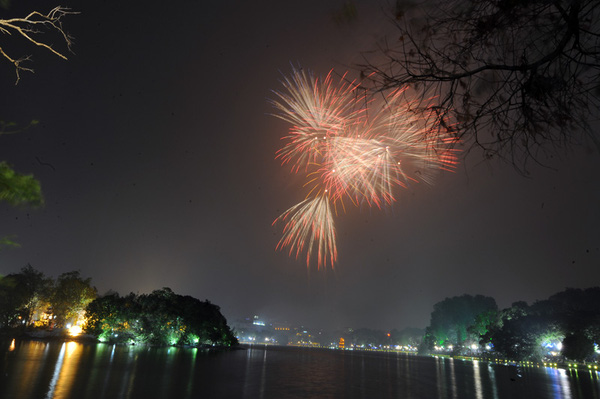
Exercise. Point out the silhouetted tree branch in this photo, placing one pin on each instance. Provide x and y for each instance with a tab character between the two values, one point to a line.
513	77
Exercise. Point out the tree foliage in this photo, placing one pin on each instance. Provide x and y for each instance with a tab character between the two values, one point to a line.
577	346
160	318
566	324
71	295
408	336
21	294
570	318
525	338
452	317
514	77
18	189
28	300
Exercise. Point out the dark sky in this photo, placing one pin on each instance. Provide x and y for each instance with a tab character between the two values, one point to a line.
156	156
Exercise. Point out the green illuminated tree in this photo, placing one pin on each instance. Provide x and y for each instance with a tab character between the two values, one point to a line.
428	343
452	317
18	189
159	318
114	318
483	322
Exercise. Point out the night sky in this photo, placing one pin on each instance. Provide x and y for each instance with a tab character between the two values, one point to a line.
156	154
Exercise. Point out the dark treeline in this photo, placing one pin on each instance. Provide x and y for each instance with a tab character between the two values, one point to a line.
30	301
564	326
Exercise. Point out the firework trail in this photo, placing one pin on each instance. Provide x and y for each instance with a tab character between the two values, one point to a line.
310	224
352	150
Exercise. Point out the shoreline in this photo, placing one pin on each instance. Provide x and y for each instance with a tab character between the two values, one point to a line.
63	336
565	365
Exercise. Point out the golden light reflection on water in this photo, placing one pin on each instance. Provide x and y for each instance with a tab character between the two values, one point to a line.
65	371
28	374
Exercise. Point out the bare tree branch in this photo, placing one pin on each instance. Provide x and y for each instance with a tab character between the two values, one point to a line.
518	78
32	26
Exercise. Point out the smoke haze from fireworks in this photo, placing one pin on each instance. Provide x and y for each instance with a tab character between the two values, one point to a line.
352	148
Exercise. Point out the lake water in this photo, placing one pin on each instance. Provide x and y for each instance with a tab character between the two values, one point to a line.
32	369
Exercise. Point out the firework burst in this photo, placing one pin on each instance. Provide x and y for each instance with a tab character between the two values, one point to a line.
317	110
351	149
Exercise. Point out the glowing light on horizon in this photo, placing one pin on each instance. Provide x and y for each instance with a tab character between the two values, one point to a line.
353	150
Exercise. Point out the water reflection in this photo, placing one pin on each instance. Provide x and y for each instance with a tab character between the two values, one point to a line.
263	376
192	366
440	376
492	374
453	379
64	371
74	370
477	379
57	369
29	371
445	384
129	378
97	365
247	378
561	383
